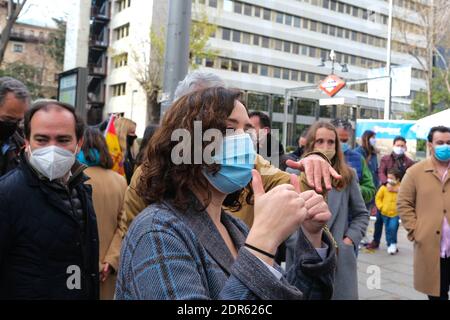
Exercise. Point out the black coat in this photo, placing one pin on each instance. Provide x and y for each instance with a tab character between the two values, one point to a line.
9	152
41	241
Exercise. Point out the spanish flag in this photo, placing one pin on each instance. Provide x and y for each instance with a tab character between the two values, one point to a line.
112	140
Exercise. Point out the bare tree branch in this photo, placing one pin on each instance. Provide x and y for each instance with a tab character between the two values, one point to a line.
14	9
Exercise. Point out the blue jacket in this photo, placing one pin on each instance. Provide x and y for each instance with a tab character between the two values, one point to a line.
171	255
354	160
372	163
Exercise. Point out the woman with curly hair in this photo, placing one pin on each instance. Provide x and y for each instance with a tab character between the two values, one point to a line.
185	246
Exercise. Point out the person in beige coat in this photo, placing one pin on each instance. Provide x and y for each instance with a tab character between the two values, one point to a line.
423	204
108	192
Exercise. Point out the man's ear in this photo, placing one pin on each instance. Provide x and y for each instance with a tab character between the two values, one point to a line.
80	143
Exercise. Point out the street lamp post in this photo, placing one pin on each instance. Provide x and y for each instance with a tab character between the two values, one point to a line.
333	60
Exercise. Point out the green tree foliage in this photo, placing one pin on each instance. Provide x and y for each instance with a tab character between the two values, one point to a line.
440	98
201	31
56	42
26	73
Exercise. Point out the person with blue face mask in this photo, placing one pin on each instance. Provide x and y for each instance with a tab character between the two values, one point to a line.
355	160
423	204
205	252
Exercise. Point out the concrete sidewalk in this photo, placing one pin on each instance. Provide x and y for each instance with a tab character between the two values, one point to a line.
396	272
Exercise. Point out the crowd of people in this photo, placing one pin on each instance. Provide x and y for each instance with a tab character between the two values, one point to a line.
73	228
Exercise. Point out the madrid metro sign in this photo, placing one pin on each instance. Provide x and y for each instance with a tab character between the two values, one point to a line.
332	85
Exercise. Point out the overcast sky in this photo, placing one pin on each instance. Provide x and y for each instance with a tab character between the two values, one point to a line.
41	11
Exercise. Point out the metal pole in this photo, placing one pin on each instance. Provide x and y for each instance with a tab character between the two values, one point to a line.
387	101
132	103
177	49
285	123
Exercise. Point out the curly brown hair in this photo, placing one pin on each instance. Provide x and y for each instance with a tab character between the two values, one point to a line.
163	179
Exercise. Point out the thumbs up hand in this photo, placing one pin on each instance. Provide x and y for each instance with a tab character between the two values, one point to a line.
277	214
316	218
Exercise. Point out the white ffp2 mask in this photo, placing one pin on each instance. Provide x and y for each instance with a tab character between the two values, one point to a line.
52	161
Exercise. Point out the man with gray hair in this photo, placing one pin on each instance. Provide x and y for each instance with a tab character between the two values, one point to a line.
14	101
197	80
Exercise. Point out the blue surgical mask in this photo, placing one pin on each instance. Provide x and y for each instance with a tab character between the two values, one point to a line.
442	152
345	146
236	159
93	153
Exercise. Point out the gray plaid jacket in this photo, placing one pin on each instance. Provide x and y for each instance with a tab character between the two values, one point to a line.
172	255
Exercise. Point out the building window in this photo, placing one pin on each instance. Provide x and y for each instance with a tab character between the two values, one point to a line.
257	101
333	5
279	17
285	74
236	36
246	38
122	5
332	31
247	10
305	50
265	43
297	22
212	3
18	48
238	7
122	31
288	20
264	70
226	34
209	63
257	12
267	15
119	89
305	23
287	47
198	61
245	67
224	64
276	72
256	40
277	44
254	68
303	76
234	65
120	60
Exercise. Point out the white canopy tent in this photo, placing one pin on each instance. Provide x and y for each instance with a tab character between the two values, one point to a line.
423	126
